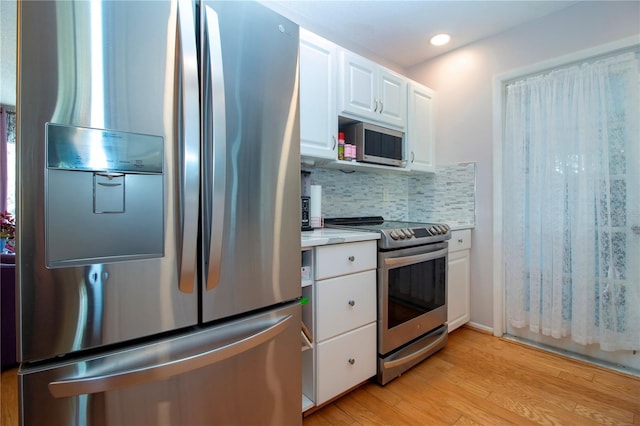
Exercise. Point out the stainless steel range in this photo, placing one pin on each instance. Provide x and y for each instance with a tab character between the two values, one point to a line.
412	290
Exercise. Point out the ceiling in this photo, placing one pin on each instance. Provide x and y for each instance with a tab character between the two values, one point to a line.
395	32
399	31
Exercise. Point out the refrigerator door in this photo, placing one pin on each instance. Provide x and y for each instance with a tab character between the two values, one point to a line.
244	373
251	155
108	172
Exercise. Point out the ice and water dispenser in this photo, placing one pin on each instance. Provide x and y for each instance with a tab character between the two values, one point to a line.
103	196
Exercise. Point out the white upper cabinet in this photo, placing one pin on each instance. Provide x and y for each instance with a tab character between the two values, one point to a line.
370	91
318	117
420	129
337	82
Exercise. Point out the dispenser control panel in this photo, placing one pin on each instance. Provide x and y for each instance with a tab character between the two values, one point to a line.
83	148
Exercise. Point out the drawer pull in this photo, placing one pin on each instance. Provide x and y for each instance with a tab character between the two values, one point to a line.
352	303
460	241
352	361
352	258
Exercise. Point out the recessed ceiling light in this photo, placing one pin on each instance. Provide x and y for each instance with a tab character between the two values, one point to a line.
440	39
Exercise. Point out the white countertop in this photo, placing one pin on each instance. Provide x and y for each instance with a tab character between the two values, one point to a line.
323	236
461	227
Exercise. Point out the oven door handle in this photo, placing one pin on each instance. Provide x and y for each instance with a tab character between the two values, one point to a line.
442	334
410	260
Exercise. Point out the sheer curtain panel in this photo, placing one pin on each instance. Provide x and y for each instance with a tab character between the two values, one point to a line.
572	205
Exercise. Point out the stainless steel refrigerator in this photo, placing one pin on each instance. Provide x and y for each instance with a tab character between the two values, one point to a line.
158	214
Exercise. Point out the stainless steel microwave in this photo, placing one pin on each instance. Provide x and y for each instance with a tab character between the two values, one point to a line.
375	144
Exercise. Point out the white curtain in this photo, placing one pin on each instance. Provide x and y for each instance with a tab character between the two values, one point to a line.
571	203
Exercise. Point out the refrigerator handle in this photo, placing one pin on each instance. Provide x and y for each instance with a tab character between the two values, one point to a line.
189	143
216	110
153	373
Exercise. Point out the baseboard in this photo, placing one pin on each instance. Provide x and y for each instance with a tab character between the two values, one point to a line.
479	327
581	359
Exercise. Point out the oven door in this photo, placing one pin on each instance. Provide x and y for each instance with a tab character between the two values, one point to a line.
412	284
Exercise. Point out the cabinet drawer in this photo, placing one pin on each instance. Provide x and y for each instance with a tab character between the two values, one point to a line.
460	240
346	361
342	259
345	303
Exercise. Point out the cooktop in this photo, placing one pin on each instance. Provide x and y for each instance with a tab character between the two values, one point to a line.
394	233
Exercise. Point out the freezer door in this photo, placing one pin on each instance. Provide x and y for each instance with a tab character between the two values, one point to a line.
243	373
251	155
109	172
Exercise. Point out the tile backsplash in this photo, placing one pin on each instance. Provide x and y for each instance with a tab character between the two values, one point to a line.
448	196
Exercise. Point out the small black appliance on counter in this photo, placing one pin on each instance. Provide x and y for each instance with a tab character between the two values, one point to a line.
305	209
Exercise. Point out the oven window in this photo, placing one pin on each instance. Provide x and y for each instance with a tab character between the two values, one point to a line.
415	289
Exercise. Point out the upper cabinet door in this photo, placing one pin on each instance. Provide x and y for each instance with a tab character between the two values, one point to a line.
420	129
371	92
358	88
318	117
392	98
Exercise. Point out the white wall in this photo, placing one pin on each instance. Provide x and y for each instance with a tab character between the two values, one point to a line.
463	81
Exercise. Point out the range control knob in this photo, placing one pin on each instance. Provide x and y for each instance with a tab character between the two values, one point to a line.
401	234
394	235
433	230
407	232
411	231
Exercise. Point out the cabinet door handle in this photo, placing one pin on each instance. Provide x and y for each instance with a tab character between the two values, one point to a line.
375	105
460	240
352	361
413	157
352	258
381	106
334	143
352	303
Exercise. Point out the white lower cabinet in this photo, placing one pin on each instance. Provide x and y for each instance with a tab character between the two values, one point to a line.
345	303
459	276
345	361
341	315
342	259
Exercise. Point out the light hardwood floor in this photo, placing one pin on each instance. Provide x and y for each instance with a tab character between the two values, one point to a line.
481	379
476	379
9	398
